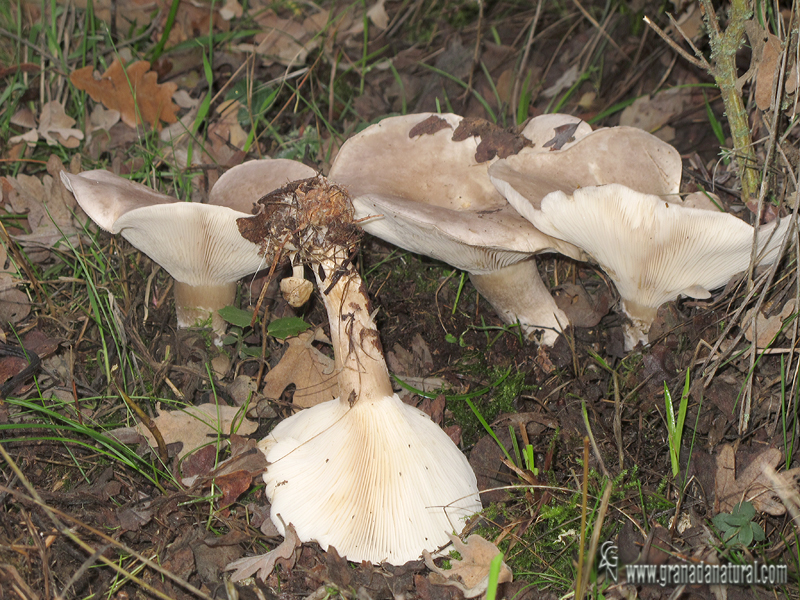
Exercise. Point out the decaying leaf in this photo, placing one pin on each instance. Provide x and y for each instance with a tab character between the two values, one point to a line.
307	368
766	327
194	426
14	303
377	14
752	485
471	573
226	138
765	55
285	555
284	41
48	205
55	127
652	113
133	90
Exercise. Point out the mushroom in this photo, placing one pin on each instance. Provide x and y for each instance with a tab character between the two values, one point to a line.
197	244
365	473
423	190
653	251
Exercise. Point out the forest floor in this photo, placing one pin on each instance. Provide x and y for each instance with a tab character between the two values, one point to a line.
572	444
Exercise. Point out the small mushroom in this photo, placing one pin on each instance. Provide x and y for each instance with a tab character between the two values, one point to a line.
420	189
654	251
197	244
365	473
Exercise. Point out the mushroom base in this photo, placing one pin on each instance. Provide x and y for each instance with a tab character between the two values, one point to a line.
518	293
195	305
378	481
641	317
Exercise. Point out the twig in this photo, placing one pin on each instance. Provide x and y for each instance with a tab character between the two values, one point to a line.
700	64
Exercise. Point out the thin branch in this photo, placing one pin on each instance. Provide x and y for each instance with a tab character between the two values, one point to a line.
699	63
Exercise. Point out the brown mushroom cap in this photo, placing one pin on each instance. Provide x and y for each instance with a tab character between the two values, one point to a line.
624	155
241	187
418	188
430	196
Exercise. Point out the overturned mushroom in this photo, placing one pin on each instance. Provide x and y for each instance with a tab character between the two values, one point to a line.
197	244
365	473
654	251
417	176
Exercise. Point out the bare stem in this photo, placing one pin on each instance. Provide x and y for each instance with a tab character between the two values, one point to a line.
361	367
724	45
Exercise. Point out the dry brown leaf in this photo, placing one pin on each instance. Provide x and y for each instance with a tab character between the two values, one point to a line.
285	555
194	426
14	304
653	113
55	126
752	485
48	205
226	138
471	573
283	41
231	9
134	94
307	368
766	327
128	11
767	71
377	14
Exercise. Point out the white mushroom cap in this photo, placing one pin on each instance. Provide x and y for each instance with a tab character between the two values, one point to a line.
429	195
242	186
369	480
654	251
199	245
625	155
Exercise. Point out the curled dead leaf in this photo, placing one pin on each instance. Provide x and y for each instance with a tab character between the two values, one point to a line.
752	484
471	573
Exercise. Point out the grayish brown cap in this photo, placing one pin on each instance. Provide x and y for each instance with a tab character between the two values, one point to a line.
426	193
654	251
242	186
199	245
624	155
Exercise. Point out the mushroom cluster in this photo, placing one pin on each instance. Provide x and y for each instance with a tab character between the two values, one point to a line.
365	473
487	201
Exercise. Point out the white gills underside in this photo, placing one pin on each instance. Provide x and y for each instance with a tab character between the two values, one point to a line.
385	480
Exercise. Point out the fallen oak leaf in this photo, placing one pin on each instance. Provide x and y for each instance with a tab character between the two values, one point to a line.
471	573
194	426
133	90
285	555
752	484
307	368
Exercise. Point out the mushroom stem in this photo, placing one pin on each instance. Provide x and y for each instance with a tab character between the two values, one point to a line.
361	367
195	304
517	292
641	317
